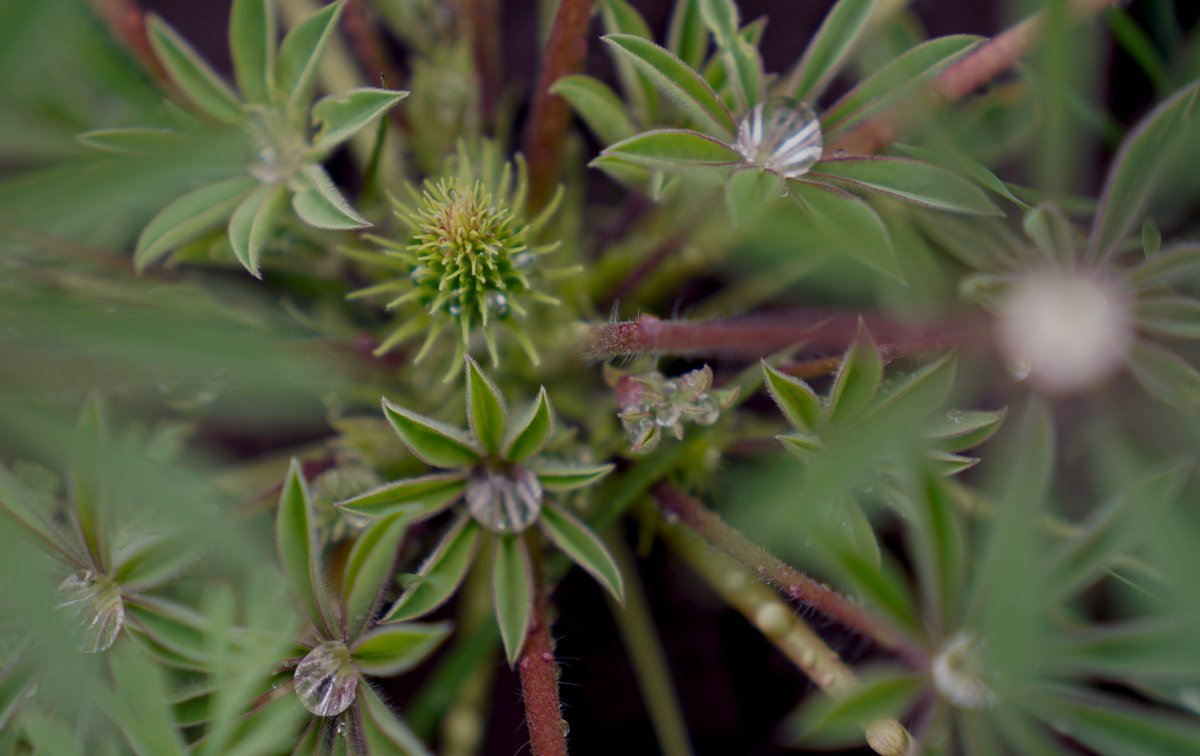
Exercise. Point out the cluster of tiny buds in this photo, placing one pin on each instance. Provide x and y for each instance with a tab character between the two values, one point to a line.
652	404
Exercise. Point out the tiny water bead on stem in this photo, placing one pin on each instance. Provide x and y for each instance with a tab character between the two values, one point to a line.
469	260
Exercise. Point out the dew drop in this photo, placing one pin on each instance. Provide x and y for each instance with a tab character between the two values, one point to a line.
566	728
839	153
955	416
705	409
504	501
1019	368
522	260
780	137
497	303
671	518
98	608
326	680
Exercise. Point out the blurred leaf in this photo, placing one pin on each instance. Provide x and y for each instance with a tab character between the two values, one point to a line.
441	573
385	731
367	570
857	378
339	117
485	409
299	554
24	511
202	85
252	40
686	36
1139	165
1172	317
622	18
839	722
847	224
512	592
963	429
909	180
320	204
1151	238
879	583
134	141
903	75
415	498
177	629
190	216
749	192
300	53
1160	649
1052	232
556	476
1175	265
798	402
391	649
939	549
50	735
436	443
140	705
829	48
1165	375
527	436
153	560
962	163
597	105
1109	725
584	548
677	81
251	224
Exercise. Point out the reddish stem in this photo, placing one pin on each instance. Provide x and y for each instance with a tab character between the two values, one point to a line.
564	54
983	65
539	686
795	584
367	46
127	22
484	16
758	336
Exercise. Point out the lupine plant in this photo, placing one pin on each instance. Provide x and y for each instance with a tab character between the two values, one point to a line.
852	398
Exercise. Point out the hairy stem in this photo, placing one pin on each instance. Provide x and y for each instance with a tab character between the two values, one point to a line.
549	115
983	65
780	625
636	626
539	686
758	336
795	584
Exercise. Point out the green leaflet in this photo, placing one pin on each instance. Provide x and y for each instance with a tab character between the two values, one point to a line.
89	483
597	105
619	17
1172	317
909	180
1165	375
436	443
857	378
300	53
486	412
298	552
367	569
190	216
394	648
584	548
1175	265
686	36
528	435
797	401
749	192
252	39
847	224
318	202
512	592
564	477
415	498
829	48
188	70
251	224
673	149
676	80
339	117
839	722
441	574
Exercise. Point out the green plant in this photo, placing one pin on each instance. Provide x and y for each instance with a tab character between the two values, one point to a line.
229	550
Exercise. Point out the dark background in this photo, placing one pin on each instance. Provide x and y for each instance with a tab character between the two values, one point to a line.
734	687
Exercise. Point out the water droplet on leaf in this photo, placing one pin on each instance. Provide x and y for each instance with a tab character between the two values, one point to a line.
326	680
504	501
98	608
781	137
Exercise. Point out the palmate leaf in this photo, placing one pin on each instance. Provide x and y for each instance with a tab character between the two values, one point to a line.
677	81
512	592
435	443
295	535
252	39
829	48
1139	166
599	107
190	216
673	149
529	434
909	180
441	573
584	548
486	412
390	649
202	85
339	117
368	568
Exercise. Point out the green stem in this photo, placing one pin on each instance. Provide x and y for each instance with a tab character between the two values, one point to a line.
636	626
